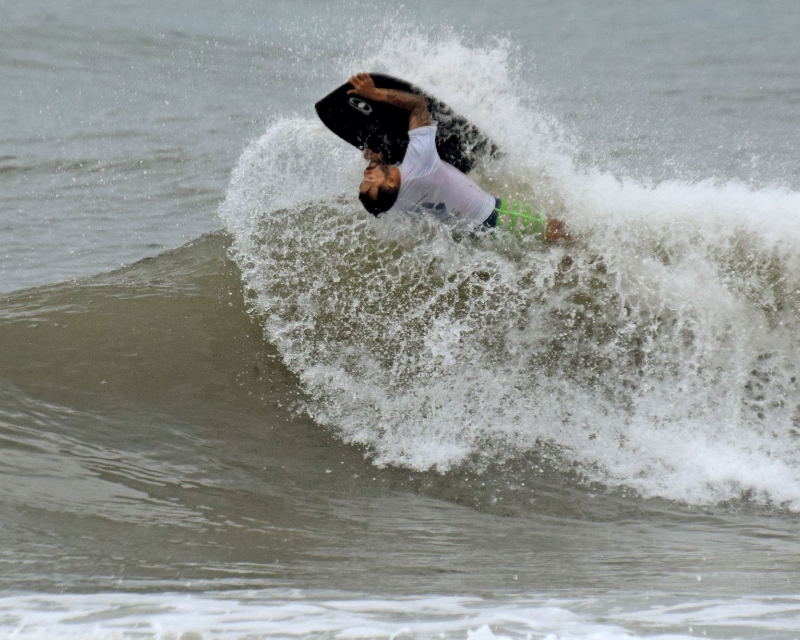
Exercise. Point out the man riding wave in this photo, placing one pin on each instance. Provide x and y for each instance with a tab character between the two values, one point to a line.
423	183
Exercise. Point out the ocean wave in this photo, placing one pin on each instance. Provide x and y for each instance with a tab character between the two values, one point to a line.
657	352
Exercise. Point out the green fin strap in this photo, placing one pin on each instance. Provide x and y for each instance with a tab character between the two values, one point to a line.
517	218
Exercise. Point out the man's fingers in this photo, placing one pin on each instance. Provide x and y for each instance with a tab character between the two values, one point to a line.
356	84
357	79
360	81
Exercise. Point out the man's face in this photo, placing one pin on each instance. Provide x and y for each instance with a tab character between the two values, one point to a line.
374	176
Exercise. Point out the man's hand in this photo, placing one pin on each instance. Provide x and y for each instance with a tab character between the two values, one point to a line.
364	86
371	155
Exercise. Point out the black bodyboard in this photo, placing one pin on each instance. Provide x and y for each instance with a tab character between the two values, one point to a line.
383	128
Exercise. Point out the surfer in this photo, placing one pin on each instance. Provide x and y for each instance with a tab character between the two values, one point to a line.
425	183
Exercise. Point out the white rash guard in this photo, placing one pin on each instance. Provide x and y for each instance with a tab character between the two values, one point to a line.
430	185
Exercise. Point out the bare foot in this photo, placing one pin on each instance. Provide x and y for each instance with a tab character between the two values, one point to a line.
556	230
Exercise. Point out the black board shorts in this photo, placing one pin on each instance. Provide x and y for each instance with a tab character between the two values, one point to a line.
491	221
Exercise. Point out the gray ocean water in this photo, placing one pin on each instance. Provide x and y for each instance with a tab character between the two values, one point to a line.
233	405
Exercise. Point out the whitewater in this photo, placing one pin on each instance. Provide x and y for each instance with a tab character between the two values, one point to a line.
659	352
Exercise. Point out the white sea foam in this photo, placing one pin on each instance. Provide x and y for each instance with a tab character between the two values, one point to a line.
659	352
297	614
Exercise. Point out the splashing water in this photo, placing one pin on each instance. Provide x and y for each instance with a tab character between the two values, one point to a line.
658	352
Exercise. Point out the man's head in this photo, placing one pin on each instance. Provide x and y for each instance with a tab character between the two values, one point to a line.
379	188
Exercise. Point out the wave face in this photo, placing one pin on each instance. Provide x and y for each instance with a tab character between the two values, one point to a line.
658	352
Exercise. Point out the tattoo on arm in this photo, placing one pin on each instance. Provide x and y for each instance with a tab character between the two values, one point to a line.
414	104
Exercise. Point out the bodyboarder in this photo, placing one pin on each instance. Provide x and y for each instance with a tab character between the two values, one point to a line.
423	183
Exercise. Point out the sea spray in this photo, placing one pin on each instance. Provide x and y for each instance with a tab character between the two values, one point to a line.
659	351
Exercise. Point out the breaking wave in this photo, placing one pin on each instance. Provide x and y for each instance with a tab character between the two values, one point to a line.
659	351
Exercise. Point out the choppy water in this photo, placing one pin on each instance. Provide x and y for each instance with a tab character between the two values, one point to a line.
312	423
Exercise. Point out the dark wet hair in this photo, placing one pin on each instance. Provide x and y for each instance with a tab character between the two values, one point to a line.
385	200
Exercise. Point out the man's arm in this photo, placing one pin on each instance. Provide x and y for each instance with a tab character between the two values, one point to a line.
364	86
